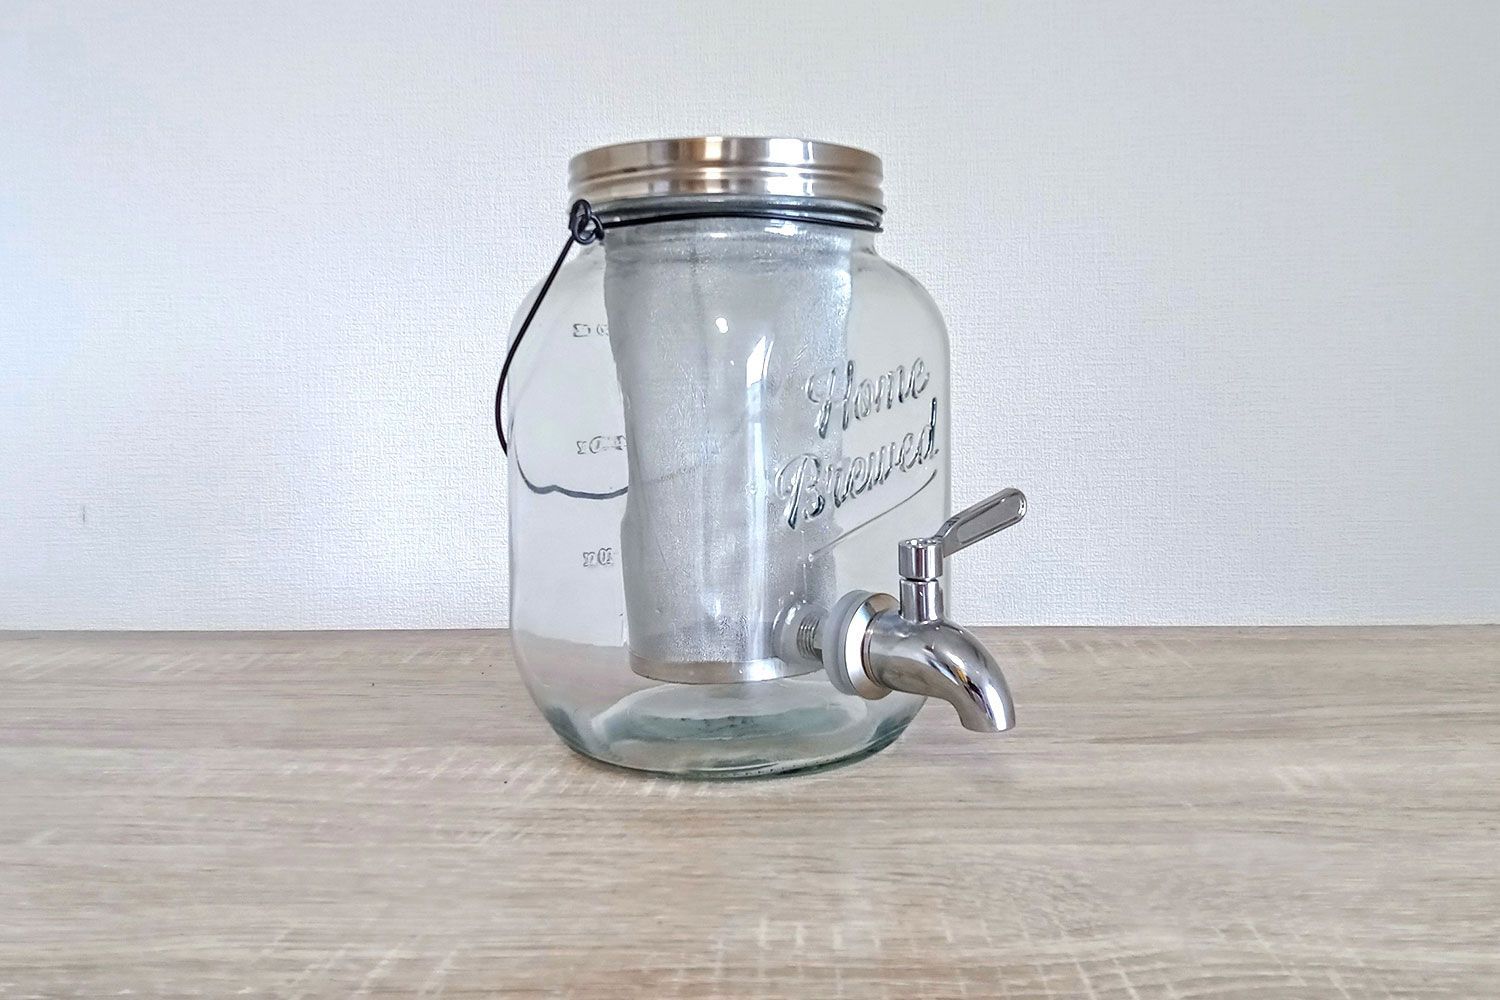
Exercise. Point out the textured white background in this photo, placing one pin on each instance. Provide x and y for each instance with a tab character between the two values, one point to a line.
1221	279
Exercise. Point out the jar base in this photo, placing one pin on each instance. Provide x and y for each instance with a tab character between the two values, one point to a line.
728	765
674	730
606	712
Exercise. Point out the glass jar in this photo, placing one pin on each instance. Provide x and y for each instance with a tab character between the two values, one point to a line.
728	414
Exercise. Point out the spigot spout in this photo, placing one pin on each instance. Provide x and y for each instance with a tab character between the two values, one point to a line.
940	660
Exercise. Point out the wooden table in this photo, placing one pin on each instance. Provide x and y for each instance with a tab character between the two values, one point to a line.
1182	813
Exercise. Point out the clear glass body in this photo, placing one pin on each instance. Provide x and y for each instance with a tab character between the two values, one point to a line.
713	421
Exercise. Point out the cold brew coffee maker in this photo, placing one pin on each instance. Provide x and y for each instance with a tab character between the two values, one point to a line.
728	446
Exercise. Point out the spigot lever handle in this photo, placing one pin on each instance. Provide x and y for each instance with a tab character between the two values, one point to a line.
922	558
983	519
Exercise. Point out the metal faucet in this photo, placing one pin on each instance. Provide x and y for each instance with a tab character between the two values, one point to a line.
872	644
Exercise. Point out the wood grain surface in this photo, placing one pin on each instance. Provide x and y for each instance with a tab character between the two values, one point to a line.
1181	813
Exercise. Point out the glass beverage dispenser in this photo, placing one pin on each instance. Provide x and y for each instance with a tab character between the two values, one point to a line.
728	448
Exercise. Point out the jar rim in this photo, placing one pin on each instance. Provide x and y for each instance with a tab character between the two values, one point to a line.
749	166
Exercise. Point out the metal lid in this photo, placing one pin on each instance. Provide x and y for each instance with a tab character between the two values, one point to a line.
727	165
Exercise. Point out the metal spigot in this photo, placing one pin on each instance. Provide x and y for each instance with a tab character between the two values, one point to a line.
871	644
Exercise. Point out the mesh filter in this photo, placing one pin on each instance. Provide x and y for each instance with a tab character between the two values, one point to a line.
716	326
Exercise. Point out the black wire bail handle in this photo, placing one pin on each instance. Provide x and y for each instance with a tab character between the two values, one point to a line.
584	228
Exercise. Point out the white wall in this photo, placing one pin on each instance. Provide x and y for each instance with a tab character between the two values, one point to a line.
1221	278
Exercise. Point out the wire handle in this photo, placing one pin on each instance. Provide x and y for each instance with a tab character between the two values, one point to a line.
584	228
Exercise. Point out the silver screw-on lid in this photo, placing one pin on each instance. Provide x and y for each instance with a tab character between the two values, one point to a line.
727	165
